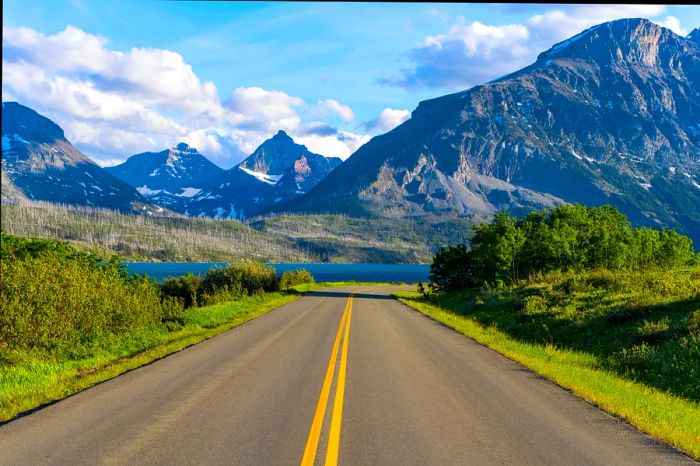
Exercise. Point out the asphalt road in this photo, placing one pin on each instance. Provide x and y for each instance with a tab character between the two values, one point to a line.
402	389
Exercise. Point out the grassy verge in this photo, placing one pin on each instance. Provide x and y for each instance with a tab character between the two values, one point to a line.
588	373
28	380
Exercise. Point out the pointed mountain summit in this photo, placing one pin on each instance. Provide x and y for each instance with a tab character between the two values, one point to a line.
634	41
694	36
609	116
170	177
277	171
39	163
274	155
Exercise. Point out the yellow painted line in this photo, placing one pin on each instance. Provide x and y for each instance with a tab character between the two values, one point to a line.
315	431
337	419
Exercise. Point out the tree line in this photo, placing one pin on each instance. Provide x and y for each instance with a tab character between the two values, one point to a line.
569	237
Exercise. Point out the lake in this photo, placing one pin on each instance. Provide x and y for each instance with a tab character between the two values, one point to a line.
322	272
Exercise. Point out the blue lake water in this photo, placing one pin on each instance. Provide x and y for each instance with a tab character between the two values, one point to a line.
322	272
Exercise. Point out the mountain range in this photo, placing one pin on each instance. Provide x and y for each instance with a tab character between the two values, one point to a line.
185	181
278	171
611	115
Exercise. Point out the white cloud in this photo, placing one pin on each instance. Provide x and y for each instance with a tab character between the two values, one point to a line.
388	119
330	107
342	145
80	99
113	103
154	76
258	105
674	24
471	53
219	146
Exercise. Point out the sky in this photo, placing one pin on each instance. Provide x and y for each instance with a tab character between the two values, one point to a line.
124	77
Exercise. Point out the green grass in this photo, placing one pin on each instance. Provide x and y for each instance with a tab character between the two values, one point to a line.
626	342
29	380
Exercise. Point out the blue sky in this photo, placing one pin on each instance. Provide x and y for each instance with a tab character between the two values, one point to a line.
128	76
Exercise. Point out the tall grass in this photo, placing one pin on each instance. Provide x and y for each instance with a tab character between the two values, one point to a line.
69	318
626	340
60	300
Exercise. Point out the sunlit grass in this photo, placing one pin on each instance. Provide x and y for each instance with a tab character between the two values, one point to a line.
28	380
624	342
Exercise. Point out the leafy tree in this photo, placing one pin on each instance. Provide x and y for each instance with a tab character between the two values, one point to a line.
495	249
569	237
451	269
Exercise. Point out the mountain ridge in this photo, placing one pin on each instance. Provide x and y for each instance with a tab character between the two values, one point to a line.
278	170
169	177
39	163
608	116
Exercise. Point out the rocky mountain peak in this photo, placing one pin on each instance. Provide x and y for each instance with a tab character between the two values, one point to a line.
29	125
274	155
282	135
39	163
607	116
633	40
694	36
184	147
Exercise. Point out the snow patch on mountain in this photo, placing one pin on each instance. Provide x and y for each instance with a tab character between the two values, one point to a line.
7	141
189	192
269	179
146	191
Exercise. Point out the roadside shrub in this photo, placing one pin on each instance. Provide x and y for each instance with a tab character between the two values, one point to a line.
296	277
186	288
55	302
245	278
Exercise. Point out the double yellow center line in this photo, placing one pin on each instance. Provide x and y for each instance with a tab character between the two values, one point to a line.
336	420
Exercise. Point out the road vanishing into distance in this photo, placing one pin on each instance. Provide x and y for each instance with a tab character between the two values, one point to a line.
330	378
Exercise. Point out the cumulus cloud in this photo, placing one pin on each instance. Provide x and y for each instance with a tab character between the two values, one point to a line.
331	107
154	76
341	144
388	119
115	103
219	146
318	128
674	24
471	53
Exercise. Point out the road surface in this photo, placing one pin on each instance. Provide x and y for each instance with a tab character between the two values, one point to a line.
292	388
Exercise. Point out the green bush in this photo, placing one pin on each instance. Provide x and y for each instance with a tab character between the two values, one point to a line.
54	298
59	300
569	237
296	277
186	288
451	269
245	278
534	304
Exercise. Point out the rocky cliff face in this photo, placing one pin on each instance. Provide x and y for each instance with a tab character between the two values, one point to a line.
169	178
39	163
278	171
611	115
